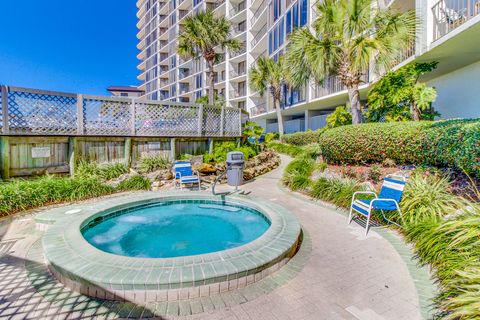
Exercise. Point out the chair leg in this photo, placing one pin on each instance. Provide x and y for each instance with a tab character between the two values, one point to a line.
350	216
393	222
199	186
368	221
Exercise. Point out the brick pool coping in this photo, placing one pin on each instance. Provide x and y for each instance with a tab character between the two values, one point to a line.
88	270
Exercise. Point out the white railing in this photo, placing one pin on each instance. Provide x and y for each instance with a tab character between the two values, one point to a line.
38	112
451	14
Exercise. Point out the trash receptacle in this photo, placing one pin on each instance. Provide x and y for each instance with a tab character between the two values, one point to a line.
235	163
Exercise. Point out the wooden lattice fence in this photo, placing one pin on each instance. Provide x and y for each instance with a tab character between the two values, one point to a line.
46	132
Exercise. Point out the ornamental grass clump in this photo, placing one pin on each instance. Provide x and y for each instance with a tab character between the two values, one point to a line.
135	183
21	195
426	196
104	171
152	163
337	191
298	172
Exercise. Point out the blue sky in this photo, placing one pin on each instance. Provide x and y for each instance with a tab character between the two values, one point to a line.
78	46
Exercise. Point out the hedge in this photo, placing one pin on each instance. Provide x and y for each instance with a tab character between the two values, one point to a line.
302	138
448	143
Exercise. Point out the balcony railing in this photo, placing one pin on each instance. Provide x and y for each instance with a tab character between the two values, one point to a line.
237	73
259	11
259	109
237	93
331	85
239	52
259	35
451	14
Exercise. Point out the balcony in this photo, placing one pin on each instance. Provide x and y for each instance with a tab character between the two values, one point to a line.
237	73
184	88
183	73
234	94
448	15
259	109
239	52
259	35
260	10
214	5
236	9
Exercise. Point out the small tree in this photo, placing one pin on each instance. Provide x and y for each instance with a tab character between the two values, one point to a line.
399	95
347	36
202	34
270	75
340	117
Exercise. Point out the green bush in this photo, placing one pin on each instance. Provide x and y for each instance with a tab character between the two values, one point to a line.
135	183
284	148
220	150
340	117
450	143
153	163
302	138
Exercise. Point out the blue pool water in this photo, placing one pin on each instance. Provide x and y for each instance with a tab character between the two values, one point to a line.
173	229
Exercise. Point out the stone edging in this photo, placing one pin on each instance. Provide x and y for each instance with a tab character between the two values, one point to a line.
45	284
90	271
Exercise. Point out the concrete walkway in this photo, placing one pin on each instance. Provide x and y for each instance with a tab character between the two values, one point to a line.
338	274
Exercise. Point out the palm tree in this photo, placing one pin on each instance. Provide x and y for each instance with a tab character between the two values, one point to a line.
347	36
270	75
203	33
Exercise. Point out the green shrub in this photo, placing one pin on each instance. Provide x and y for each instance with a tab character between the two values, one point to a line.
153	163
220	150
284	148
271	136
340	117
374	173
302	138
336	191
427	197
135	183
450	143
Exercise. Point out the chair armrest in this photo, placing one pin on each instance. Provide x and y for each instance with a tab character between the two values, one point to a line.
196	173
362	192
384	200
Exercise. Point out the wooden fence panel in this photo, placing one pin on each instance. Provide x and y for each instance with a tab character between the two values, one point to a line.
192	147
38	155
102	150
150	147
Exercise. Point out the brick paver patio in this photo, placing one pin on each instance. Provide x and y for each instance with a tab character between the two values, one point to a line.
337	274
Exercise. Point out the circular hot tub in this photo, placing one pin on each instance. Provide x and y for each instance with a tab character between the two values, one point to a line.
148	247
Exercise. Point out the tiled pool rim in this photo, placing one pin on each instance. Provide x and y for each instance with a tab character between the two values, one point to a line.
90	271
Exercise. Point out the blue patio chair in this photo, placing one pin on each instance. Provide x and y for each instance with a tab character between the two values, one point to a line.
388	200
184	174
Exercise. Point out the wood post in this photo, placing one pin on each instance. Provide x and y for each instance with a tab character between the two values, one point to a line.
4	158
173	152
210	145
133	129
72	154
80	121
222	121
200	120
5	125
128	152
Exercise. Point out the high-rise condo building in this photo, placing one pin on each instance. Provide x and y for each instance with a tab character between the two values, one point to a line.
449	33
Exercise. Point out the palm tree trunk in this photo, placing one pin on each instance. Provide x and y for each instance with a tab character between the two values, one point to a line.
354	98
211	80
415	111
276	103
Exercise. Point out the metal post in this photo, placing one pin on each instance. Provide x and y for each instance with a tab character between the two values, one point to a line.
80	120
200	120
5	125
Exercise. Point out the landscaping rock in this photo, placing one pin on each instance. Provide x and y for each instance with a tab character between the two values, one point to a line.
205	168
159	175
